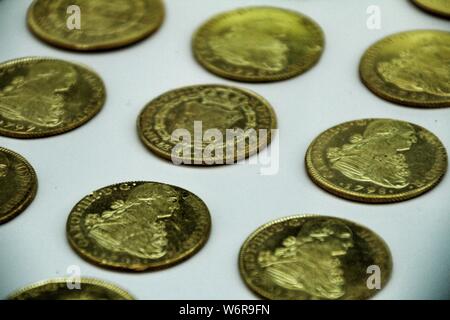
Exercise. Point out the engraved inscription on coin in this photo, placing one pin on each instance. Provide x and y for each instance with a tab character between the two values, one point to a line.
439	7
313	257
376	160
138	226
200	109
103	24
41	97
18	184
64	289
259	44
410	68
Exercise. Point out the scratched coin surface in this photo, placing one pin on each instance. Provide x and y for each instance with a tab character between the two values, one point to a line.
314	258
59	289
376	160
410	68
41	97
86	25
18	184
138	226
207	125
439	7
259	44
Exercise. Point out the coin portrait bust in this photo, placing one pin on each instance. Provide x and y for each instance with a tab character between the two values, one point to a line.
136	226
425	69
376	156
38	97
252	44
310	262
4	166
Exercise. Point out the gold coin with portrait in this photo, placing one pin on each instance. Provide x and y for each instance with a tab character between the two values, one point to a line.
410	68
18	184
308	257
207	125
85	25
41	97
439	7
376	160
259	44
138	226
68	289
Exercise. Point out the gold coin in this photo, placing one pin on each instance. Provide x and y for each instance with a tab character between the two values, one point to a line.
410	68
376	160
64	289
41	97
259	44
103	24
439	7
18	184
207	125
138	226
315	258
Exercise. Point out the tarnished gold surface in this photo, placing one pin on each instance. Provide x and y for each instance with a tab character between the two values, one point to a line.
138	226
259	44
41	97
217	107
376	160
18	184
57	289
410	68
313	257
105	24
439	7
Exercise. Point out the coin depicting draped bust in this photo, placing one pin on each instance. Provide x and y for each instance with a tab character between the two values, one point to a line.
40	97
376	160
312	257
138	226
410	68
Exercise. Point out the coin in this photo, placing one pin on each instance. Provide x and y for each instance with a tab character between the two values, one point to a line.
376	160
18	184
315	258
138	226
259	44
207	125
86	25
65	289
439	7
410	68
41	97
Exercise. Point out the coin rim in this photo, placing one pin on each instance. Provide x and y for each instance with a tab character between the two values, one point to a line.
104	46
255	79
269	296
365	198
96	282
29	196
365	72
429	9
140	267
96	108
236	157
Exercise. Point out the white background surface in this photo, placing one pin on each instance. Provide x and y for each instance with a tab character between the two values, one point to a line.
107	150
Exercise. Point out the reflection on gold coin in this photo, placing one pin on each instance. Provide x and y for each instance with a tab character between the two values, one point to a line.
207	125
41	97
315	257
439	7
376	160
65	289
259	44
410	68
138	226
18	184
103	24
